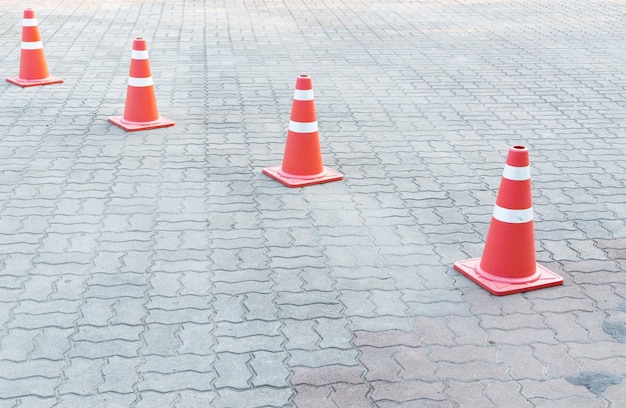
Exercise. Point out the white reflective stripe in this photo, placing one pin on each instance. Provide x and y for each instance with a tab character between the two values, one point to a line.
139	82
303	127
513	216
516	173
303	95
139	55
35	45
29	22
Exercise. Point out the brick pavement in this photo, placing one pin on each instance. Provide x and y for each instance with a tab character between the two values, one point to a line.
162	269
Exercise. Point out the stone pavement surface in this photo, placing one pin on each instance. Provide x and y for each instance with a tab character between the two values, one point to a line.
162	269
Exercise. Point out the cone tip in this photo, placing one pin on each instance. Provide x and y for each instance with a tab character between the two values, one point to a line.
29	13
304	82
518	156
139	44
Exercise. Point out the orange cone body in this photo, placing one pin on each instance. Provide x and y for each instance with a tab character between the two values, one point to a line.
508	264
140	111
33	66
302	161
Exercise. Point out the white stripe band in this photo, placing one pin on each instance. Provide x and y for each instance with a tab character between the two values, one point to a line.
139	55
35	45
140	82
303	127
516	173
513	216
29	22
303	95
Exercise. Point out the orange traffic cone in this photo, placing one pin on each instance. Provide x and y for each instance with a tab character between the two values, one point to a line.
33	66
302	161
508	264
140	112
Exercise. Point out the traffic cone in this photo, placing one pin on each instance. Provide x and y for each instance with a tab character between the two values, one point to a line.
140	112
302	161
508	264
33	66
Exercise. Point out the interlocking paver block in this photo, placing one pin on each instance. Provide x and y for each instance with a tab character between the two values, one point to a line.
416	364
254	397
82	376
269	369
505	393
468	394
380	364
555	358
313	397
232	370
404	392
181	380
328	374
522	362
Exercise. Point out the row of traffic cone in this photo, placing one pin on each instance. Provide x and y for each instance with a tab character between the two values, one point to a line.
302	164
140	112
508	264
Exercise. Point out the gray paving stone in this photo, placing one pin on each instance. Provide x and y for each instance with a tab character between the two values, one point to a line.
564	390
307	396
119	375
269	369
32	368
182	380
300	334
172	317
160	339
28	387
110	348
98	334
168	364
323	357
380	364
191	398
51	343
333	333
505	393
37	321
558	363
111	292
82	376
256	397
233	371
329	374
260	306
418	391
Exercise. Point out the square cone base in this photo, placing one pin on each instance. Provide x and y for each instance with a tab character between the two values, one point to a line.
136	126
327	176
25	83
546	279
